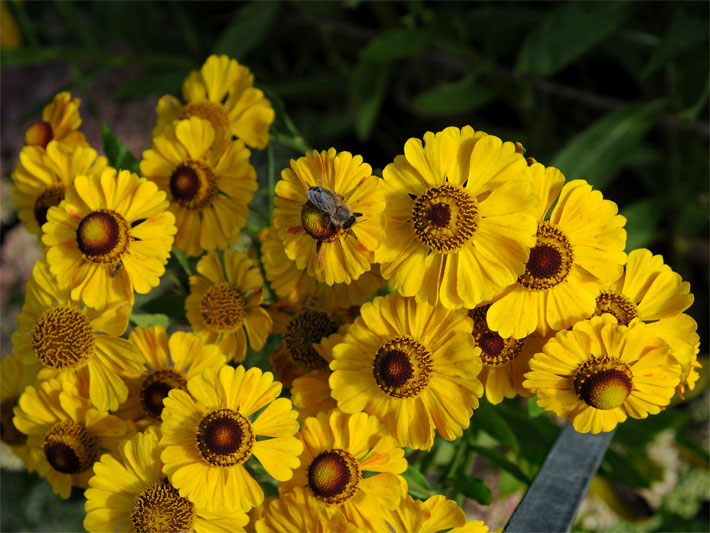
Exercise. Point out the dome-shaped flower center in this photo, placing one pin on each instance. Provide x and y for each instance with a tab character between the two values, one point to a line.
63	338
603	383
103	236
223	308
618	305
9	434
39	134
318	225
70	448
550	260
305	329
193	185
333	476
160	508
225	438
156	387
402	367
445	218
495	350
48	198
211	111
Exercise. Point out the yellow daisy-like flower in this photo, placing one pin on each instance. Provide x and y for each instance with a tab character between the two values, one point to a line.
210	431
14	377
43	175
333	233
60	121
68	337
169	364
298	288
111	235
431	516
299	510
411	365
223	92
69	431
600	372
209	182
579	250
129	492
225	302
460	218
505	360
349	463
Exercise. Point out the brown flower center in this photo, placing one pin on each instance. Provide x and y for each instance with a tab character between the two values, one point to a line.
48	198
445	218
225	438
63	338
402	367
550	260
211	111
618	305
603	383
495	350
39	134
9	434
223	308
305	329
193	185
159	508
156	387
103	236
333	476
70	448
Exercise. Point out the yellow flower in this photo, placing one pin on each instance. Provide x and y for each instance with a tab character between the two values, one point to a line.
460	218
14	377
505	361
209	182
600	372
579	250
430	516
210	431
298	288
413	366
225	302
331	249
129	492
42	176
169	364
68	430
299	510
60	121
349	463
110	236
67	337
223	92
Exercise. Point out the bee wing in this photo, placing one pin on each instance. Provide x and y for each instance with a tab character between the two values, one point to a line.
322	198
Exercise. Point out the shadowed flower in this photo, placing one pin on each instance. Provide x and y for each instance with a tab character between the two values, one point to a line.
60	121
431	516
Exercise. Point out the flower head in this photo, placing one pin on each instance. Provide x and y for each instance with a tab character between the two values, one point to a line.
299	510
60	121
430	516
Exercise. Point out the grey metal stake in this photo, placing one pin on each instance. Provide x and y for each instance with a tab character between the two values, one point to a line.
551	502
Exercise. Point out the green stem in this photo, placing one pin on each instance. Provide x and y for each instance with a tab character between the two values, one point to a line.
296	142
271	177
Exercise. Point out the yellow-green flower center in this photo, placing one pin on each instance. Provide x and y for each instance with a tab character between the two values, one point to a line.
156	388
223	308
495	350
445	218
193	185
318	225
211	111
159	508
550	260
63	338
225	438
333	476
70	448
9	434
39	134
603	383
402	367
103	237
48	198
618	305
305	329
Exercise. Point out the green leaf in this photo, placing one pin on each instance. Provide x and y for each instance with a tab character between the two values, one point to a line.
118	155
499	459
454	98
368	86
162	82
396	43
616	468
566	33
642	220
182	260
248	29
597	153
418	485
538	434
170	304
487	418
146	320
472	487
684	32
534	410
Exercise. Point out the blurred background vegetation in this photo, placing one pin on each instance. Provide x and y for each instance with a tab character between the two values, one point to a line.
612	92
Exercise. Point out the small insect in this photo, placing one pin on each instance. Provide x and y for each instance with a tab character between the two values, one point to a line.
116	269
339	213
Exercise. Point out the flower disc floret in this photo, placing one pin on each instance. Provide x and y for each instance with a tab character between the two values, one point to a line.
225	438
333	476
63	338
159	508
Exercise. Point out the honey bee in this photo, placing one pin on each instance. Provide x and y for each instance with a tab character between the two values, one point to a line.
332	204
116	269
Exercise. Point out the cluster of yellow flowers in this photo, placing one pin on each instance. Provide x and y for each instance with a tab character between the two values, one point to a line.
488	294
